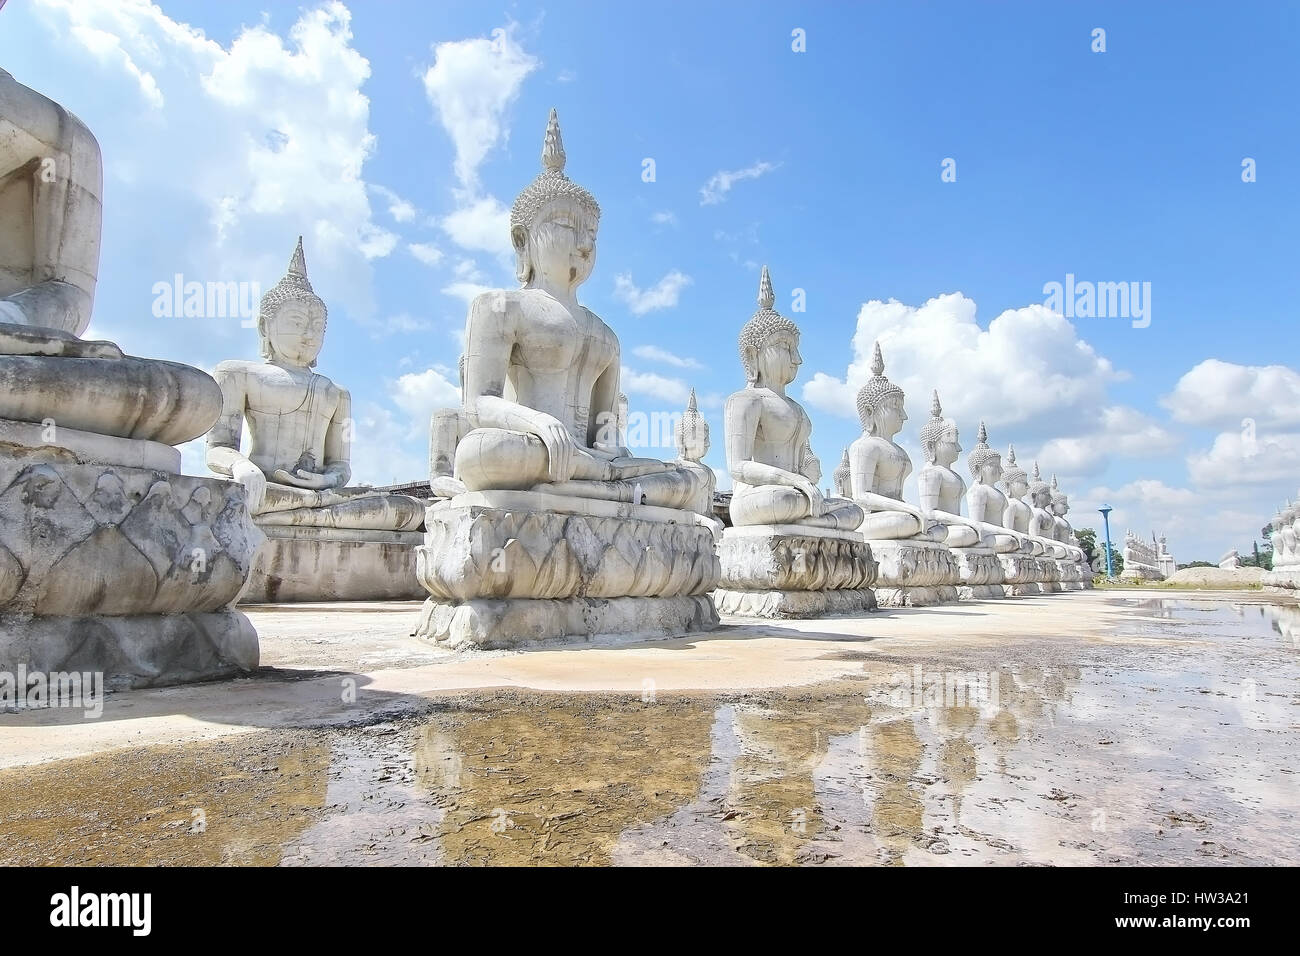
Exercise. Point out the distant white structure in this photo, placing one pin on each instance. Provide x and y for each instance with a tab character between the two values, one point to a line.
1141	560
1230	561
1164	560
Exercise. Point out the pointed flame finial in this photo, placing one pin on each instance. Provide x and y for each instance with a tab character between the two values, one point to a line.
1037	476
1011	454
553	157
936	410
691	404
877	362
298	262
765	297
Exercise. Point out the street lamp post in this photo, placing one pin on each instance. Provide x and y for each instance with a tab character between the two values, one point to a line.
1105	516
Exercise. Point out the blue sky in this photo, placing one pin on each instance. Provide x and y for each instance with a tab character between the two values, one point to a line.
395	135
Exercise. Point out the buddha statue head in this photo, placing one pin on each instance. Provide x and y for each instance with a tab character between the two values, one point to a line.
1060	501
291	319
939	441
1014	479
553	222
1040	491
841	477
985	464
769	343
880	402
692	433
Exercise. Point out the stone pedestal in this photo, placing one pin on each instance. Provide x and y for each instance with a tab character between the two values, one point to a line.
981	574
1139	573
325	564
509	568
914	573
1049	575
131	572
1019	575
789	571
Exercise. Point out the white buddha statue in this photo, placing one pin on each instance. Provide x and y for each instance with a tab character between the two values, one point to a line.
1043	523
842	477
941	489
298	466
878	466
1017	515
774	472
988	505
692	438
540	389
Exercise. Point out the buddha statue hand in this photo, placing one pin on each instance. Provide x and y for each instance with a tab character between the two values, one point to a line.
254	482
312	480
560	447
816	502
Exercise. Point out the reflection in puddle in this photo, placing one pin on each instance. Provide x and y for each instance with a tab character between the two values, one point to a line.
1177	751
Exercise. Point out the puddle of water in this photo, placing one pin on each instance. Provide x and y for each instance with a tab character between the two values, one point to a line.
1130	751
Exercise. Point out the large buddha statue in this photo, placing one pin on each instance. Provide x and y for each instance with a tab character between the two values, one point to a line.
773	470
915	567
539	405
111	560
545	526
878	466
299	422
1074	564
326	541
1042	525
791	551
988	505
1018	517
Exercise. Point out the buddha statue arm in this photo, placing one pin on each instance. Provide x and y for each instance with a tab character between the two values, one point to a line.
224	456
742	413
602	425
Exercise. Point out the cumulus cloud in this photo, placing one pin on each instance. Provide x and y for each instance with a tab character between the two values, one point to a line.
419	394
1124	432
480	225
664	218
721	182
652	353
1217	394
400	209
662	295
671	390
1028	374
1247	456
425	252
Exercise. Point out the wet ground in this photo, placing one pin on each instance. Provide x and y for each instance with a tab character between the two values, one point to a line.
1171	735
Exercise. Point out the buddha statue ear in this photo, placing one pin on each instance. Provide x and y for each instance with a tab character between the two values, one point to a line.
523	261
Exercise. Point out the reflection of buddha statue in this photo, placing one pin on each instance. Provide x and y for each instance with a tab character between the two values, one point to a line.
541	372
940	489
774	472
300	423
692	436
879	467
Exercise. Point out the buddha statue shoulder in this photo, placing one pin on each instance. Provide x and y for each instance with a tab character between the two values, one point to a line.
299	422
540	385
773	470
878	466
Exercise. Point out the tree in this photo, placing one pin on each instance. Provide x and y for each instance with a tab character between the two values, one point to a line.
1197	564
1088	542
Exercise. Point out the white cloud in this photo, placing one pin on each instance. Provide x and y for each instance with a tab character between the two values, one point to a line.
652	353
671	390
248	145
720	183
662	295
664	218
471	85
1217	394
427	253
481	225
466	291
1124	432
1245	458
400	209
419	394
1027	375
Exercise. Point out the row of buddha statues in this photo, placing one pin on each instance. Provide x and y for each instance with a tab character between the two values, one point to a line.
536	522
1284	535
1146	560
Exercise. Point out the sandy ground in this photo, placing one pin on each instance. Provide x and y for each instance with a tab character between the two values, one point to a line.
1089	727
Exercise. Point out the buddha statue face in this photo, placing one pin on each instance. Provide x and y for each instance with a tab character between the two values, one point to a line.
294	333
887	420
947	448
1042	497
779	359
560	247
1017	487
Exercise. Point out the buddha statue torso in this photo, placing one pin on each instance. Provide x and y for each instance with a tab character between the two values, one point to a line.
773	470
1042	522
692	437
987	505
878	466
299	423
939	487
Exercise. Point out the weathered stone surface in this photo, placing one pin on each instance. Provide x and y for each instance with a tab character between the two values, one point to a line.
789	571
914	573
474	552
981	574
318	564
488	623
794	604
